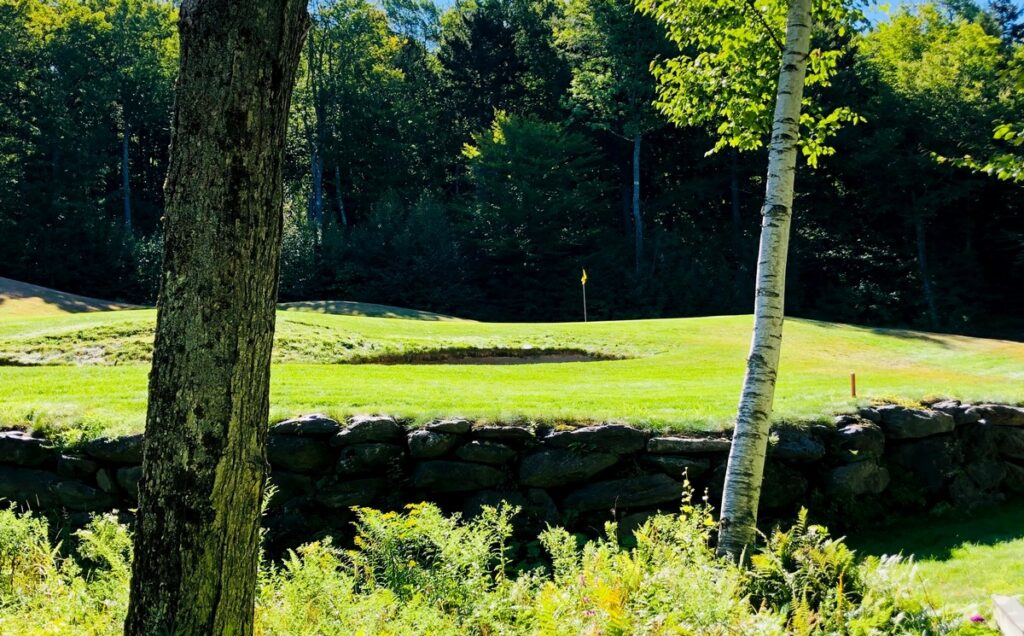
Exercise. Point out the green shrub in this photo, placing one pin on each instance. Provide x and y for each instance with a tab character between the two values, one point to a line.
422	572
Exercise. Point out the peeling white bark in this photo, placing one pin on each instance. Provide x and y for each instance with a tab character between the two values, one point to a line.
750	439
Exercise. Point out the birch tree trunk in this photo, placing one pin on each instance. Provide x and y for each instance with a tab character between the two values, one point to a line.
745	470
197	538
638	225
126	185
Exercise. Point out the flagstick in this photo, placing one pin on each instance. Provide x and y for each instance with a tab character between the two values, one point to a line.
584	302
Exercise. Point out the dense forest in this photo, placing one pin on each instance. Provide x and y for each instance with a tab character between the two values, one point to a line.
474	159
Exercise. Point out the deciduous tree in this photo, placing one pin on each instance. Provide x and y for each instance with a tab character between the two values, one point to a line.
197	538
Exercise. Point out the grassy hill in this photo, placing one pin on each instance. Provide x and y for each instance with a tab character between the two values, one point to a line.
89	370
25	300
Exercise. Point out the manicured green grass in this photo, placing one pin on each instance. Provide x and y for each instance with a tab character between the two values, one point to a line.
959	562
677	374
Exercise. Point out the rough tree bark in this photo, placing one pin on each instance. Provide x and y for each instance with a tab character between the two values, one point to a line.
638	224
745	470
197	535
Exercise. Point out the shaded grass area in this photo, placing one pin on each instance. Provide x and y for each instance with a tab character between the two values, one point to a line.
962	561
679	374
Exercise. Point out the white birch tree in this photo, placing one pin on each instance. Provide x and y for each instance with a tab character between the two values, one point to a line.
723	77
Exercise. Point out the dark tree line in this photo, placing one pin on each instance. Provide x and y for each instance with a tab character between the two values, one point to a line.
473	160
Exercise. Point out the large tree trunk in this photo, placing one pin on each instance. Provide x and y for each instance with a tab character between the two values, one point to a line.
750	440
197	535
126	186
638	225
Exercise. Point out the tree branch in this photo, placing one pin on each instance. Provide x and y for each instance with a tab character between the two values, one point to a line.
766	26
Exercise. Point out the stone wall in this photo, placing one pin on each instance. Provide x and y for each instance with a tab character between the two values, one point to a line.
885	459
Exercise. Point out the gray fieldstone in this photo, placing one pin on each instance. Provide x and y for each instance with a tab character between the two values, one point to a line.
858	441
870	414
441	476
559	467
988	474
1011	442
346	493
962	413
106	479
612	438
930	463
620	494
74	467
900	422
537	508
28	486
122	450
796	445
365	458
128	479
1000	414
1014	478
504	433
75	495
486	453
314	425
457	426
363	429
677	465
858	478
298	454
21	449
783	486
686	445
289	485
427	444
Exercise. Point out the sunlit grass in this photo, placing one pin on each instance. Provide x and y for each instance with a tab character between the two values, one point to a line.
681	373
960	562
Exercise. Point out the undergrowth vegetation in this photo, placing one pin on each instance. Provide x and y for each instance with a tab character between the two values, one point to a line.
422	572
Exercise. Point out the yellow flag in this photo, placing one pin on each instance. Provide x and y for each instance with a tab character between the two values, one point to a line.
584	279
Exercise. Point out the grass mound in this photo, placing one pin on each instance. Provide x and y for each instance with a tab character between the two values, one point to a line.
366	310
25	300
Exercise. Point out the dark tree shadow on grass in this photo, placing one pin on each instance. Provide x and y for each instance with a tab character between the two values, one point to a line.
935	537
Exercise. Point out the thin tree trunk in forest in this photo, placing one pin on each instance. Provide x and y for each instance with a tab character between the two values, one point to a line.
316	196
197	538
921	238
745	470
342	217
734	196
126	186
316	162
638	225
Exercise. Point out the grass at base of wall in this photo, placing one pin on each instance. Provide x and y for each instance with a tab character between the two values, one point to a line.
960	562
680	374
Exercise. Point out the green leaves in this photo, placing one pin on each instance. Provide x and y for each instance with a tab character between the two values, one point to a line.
726	69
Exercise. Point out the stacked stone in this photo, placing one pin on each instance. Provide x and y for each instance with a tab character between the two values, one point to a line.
320	468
